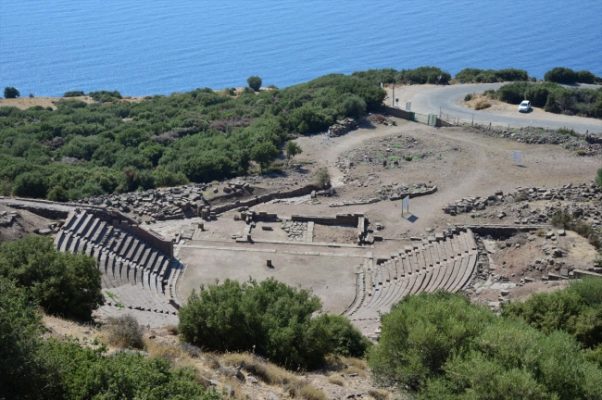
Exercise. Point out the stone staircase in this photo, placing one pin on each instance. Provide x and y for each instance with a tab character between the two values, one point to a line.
135	274
435	263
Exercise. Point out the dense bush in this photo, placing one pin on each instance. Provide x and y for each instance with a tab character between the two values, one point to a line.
74	93
254	83
599	177
576	310
423	75
512	93
20	327
561	75
90	374
445	348
586	77
62	283
34	368
105	95
554	98
476	75
268	318
81	150
418	75
11	92
421	333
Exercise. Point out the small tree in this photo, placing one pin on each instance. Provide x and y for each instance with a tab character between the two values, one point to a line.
292	149
254	83
322	177
11	92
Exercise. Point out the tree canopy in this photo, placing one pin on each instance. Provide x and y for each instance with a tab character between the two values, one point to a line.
11	92
442	347
116	145
269	319
62	283
34	368
254	83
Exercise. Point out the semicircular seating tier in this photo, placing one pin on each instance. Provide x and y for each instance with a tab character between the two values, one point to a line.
138	268
435	263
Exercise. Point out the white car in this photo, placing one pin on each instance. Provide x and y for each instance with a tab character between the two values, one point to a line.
524	106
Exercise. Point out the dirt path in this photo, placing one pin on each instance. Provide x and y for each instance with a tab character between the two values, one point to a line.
478	166
326	151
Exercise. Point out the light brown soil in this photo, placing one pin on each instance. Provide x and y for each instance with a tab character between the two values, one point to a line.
458	162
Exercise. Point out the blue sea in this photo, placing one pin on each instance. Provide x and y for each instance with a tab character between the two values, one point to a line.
159	47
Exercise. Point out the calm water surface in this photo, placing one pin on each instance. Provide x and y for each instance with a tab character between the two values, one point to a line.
147	47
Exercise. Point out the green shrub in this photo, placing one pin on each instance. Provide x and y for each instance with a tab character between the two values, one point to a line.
80	149
82	373
74	93
354	107
11	92
442	347
254	83
586	77
422	75
421	333
468	97
561	75
62	283
472	75
344	338
554	97
20	328
576	310
512	93
599	177
268	318
31	184
103	96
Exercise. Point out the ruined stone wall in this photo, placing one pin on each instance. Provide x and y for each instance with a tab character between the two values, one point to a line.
302	191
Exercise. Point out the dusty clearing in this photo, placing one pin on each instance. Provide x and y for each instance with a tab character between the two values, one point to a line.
363	166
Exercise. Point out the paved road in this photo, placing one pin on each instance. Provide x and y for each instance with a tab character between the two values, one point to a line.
447	101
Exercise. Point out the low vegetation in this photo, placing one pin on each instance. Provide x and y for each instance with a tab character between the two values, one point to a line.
482	104
576	311
62	284
115	145
35	368
124	332
269	319
568	76
420	75
599	177
442	347
554	98
476	75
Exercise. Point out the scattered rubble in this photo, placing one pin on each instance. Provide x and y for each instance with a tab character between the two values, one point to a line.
342	127
583	202
399	191
389	151
586	145
295	230
156	204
